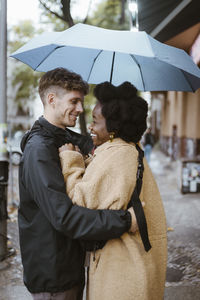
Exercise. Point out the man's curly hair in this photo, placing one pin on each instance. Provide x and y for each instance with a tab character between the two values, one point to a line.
124	111
61	77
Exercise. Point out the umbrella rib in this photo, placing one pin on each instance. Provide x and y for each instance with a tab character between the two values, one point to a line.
93	65
182	71
48	56
139	69
111	73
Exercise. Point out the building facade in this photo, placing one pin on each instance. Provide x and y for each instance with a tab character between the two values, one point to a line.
179	130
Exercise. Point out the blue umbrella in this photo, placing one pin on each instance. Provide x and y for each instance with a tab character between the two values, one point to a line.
99	55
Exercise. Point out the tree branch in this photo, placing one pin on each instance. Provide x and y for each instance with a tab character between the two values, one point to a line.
89	6
66	12
52	12
122	17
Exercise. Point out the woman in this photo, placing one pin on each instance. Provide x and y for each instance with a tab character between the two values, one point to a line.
122	269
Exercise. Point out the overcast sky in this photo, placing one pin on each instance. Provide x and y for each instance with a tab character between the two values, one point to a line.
19	10
22	10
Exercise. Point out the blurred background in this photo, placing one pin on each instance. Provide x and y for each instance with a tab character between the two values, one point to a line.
173	119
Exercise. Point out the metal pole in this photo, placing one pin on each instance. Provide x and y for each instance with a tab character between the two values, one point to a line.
3	130
3	60
133	10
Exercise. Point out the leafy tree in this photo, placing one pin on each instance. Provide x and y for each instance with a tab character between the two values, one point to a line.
111	14
23	76
27	81
62	10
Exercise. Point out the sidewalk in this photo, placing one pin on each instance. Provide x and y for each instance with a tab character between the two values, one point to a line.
182	212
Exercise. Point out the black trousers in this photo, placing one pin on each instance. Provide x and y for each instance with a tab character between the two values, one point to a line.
75	293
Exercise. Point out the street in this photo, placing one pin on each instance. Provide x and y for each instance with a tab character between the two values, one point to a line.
183	222
182	212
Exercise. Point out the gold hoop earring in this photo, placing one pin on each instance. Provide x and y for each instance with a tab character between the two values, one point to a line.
111	136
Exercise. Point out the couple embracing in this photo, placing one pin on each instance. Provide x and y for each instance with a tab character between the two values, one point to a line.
75	194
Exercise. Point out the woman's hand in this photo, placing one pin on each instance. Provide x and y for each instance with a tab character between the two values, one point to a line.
70	147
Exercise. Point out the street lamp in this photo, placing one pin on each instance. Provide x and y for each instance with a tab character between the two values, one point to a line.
132	6
133	9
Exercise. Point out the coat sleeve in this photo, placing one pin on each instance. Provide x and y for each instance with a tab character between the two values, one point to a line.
43	177
107	183
73	169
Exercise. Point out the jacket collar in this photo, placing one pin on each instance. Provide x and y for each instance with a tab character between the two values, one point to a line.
60	136
54	130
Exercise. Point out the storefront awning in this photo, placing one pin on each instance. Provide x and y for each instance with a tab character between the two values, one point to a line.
166	19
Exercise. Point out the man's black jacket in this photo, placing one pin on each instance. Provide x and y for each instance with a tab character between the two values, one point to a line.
50	226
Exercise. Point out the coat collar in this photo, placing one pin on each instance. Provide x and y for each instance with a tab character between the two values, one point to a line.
114	143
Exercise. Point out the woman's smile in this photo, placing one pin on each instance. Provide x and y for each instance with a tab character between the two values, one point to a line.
98	130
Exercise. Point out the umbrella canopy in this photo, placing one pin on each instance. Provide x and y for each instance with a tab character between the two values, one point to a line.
99	55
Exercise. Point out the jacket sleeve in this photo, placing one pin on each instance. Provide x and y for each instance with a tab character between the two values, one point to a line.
44	179
101	186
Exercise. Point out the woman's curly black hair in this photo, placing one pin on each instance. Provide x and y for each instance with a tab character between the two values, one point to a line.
125	112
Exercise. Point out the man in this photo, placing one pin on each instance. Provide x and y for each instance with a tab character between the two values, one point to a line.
50	227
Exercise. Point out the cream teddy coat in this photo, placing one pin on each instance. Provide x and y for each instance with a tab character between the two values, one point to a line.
122	270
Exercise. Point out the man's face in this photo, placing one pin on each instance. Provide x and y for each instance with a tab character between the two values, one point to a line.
67	106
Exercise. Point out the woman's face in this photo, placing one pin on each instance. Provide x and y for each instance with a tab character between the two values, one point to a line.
98	128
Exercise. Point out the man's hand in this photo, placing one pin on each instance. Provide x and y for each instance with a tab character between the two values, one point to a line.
70	147
134	224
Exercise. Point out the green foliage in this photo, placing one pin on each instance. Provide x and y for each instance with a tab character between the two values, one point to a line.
21	34
24	30
27	80
49	19
108	15
56	23
89	103
23	76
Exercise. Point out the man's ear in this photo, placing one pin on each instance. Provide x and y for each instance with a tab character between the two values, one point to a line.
51	99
